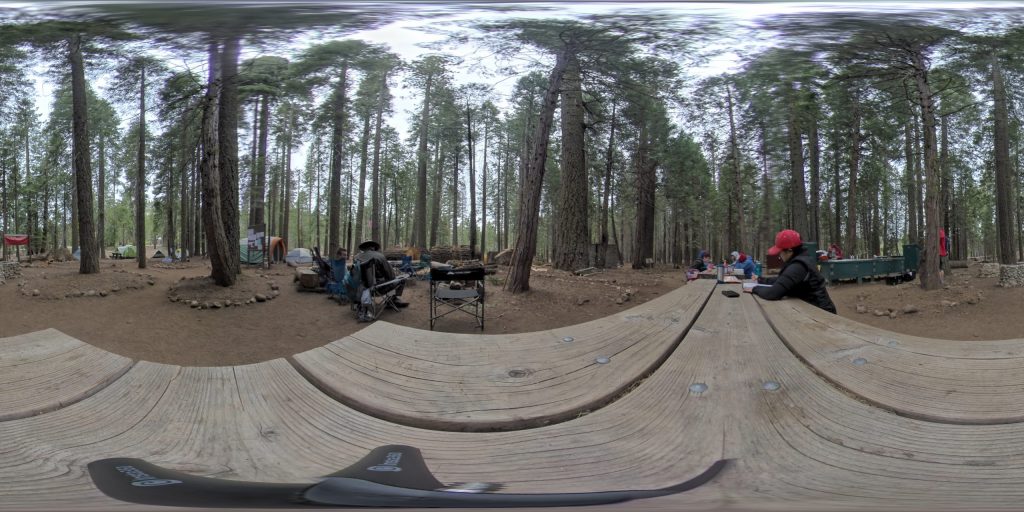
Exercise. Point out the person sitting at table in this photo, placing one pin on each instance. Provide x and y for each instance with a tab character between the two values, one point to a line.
799	275
703	261
741	261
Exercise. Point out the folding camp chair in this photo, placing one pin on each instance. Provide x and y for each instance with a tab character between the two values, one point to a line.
467	296
373	297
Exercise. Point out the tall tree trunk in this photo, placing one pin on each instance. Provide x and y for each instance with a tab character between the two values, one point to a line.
72	200
419	225
609	161
286	175
814	152
472	181
911	186
766	188
259	189
212	222
944	172
89	263
253	162
734	231
364	146
533	180
572	233
375	215
930	261
918	180
227	155
101	193
455	197
851	193
798	192
837	226
643	236
483	192
337	157
435	214
1005	225
183	209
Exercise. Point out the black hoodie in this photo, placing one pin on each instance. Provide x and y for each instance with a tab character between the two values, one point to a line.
798	278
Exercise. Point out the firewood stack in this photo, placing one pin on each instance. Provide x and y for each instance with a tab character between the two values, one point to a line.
445	253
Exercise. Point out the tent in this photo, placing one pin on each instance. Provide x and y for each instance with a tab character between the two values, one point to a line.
299	257
254	255
127	251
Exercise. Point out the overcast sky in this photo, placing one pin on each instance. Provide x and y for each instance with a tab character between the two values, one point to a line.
406	37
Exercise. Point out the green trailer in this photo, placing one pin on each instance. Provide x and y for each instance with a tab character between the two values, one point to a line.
893	268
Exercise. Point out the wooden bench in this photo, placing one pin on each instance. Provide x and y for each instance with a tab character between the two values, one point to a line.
47	370
500	382
937	380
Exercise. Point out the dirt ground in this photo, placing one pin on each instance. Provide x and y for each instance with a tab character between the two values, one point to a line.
968	308
150	314
120	311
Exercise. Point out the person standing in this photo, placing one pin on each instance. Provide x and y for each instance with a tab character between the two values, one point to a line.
943	256
798	277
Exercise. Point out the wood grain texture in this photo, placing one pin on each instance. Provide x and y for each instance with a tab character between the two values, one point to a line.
937	380
810	444
265	422
806	445
469	382
46	370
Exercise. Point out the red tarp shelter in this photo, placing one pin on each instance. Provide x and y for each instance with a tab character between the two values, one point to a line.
16	239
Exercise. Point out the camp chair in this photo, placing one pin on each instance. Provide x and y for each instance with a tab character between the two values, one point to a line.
371	298
336	286
469	298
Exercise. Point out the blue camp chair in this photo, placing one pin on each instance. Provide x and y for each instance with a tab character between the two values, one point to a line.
336	283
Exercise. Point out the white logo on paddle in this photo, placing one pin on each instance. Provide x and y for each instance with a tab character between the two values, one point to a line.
390	463
142	479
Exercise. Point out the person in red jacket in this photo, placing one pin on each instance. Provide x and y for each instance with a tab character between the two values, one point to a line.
943	256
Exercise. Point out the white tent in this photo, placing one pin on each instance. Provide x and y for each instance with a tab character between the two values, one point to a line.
299	257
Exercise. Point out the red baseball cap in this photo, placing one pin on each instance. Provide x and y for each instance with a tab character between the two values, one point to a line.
785	239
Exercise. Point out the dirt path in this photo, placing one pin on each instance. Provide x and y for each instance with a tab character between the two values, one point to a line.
139	321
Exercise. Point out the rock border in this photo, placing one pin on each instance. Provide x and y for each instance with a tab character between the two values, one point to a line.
273	291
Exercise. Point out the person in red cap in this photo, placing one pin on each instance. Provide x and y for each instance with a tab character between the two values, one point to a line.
798	277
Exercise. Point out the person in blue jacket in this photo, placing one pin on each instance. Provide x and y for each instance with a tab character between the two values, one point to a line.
741	261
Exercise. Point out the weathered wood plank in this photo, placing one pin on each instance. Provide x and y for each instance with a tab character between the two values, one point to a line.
46	370
265	422
937	380
500	382
808	444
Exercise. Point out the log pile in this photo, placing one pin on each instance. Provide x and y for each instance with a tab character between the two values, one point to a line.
395	253
959	263
445	253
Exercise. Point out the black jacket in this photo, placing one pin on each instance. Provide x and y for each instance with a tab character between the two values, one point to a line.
798	278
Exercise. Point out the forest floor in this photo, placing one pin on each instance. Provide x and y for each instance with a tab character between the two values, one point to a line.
130	311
